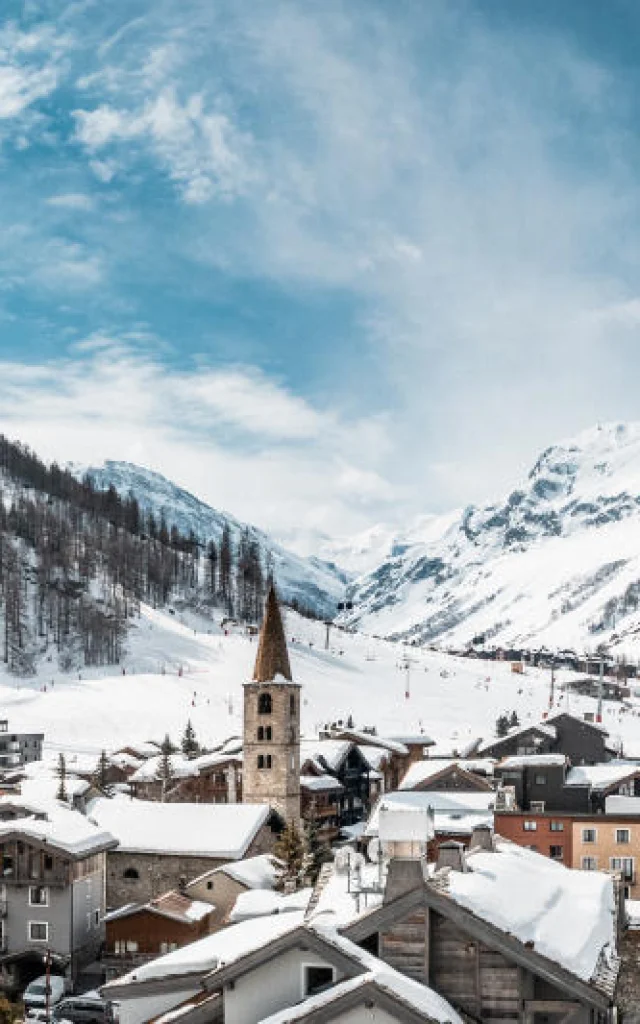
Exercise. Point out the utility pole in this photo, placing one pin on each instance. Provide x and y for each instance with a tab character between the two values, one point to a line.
552	687
328	626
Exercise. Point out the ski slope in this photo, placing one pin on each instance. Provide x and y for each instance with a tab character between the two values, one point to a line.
183	667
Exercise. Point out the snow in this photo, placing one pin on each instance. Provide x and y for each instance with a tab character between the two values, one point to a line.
567	916
397	823
633	913
254	872
534	761
332	752
601	776
181	768
421	771
219	831
320	783
207	954
198	910
260	902
536	568
336	906
63	828
622	805
454	812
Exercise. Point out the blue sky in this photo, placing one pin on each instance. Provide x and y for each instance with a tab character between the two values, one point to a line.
325	263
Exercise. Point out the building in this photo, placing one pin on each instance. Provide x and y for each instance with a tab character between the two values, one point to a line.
548	782
454	814
271	772
470	775
18	748
138	933
582	742
163	846
222	886
495	932
52	896
345	763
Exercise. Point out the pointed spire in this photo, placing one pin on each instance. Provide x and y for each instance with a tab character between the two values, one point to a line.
273	658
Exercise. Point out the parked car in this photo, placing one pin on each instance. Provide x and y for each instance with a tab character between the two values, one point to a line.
35	994
86	1009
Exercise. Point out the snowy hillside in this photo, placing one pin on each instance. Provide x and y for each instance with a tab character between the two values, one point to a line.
556	563
182	666
315	584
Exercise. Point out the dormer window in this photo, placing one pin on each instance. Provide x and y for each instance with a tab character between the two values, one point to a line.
264	704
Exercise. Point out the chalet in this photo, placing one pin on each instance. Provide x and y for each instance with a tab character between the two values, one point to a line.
52	861
495	932
276	972
471	775
343	760
164	845
321	797
580	741
137	933
454	814
547	782
221	887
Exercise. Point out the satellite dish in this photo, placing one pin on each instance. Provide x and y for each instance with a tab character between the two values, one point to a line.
374	850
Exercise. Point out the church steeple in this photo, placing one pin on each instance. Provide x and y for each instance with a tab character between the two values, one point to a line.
272	659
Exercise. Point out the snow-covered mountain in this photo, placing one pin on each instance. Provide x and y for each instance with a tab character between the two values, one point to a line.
557	562
312	582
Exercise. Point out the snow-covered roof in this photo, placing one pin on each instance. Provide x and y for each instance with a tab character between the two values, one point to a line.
219	831
318	783
260	902
576	718
172	905
150	770
601	776
332	752
414	739
124	760
421	771
335	902
363	738
624	805
533	761
44	788
207	954
565	915
374	756
259	872
142	750
67	830
518	730
206	761
455	812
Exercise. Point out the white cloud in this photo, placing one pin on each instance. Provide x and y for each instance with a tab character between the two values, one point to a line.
71	201
234	437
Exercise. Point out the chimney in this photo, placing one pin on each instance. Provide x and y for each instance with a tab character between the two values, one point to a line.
403	876
451	855
481	838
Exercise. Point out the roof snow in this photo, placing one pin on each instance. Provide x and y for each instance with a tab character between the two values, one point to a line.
601	776
420	771
254	872
213	951
565	915
332	752
318	783
150	770
261	902
60	827
454	811
219	831
533	761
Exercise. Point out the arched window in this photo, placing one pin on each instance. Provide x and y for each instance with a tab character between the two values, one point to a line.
264	704
131	873
292	704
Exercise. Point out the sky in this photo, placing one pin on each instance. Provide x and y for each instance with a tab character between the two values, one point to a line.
326	264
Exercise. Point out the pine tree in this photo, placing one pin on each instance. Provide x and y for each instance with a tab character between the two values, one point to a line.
101	775
189	744
514	721
290	849
315	853
167	747
502	725
165	772
62	778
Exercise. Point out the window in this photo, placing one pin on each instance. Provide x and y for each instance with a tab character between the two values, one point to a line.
625	865
589	863
556	852
264	733
622	835
292	704
264	761
264	704
589	835
48	862
260	733
132	947
557	826
530	826
167	947
38	896
38	931
540	780
132	874
316	979
96	917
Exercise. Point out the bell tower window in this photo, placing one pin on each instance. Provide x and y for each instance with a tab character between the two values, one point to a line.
264	733
292	704
264	704
264	761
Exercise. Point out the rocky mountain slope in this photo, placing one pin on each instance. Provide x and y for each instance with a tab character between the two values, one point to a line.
312	583
556	563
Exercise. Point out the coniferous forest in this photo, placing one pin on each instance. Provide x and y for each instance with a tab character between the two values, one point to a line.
77	561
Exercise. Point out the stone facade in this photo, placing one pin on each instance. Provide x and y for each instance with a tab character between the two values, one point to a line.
141	877
271	772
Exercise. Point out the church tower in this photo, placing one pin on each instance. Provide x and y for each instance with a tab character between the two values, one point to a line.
271	770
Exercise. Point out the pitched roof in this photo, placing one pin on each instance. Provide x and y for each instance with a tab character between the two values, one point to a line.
172	905
272	660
